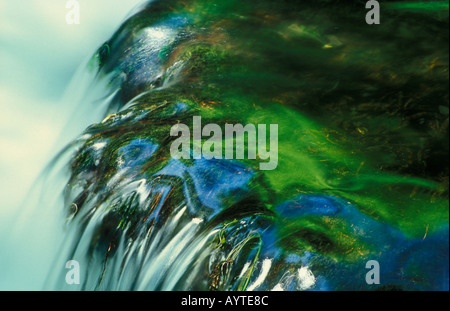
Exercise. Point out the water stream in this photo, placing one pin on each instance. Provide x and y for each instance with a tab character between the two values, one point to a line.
362	169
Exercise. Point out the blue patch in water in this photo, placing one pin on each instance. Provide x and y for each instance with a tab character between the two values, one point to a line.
216	184
136	153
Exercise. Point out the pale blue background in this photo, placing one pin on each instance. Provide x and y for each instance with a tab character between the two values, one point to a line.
39	54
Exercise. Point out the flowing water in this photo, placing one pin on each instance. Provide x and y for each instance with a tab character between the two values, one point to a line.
362	174
39	55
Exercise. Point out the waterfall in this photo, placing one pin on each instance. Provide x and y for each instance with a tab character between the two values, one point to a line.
358	179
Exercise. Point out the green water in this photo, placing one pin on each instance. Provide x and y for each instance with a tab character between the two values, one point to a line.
359	107
362	115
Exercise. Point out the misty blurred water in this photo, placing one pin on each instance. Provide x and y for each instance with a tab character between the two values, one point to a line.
39	55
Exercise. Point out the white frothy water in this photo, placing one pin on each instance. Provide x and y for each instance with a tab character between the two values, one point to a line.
39	56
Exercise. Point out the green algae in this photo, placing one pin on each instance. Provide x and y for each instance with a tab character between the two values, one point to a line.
312	84
358	110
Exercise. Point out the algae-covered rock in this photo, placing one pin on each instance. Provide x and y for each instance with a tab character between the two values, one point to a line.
362	168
